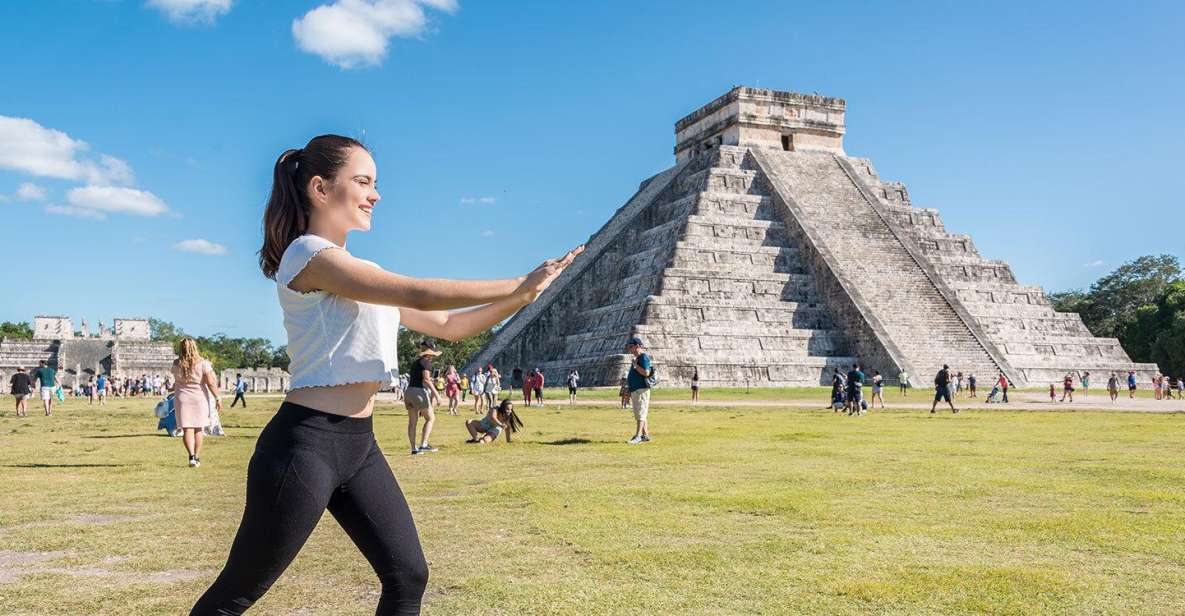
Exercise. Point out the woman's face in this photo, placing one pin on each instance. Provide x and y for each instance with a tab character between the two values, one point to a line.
347	202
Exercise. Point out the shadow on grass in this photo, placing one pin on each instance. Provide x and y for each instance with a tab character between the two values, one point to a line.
124	435
571	441
37	465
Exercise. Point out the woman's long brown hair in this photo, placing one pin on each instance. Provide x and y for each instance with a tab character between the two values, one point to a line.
287	215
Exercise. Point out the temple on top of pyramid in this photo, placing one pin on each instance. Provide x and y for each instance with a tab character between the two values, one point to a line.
767	256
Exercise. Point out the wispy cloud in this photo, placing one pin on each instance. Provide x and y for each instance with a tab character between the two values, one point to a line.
478	200
201	246
1095	263
76	212
31	192
117	199
31	148
189	12
355	33
487	233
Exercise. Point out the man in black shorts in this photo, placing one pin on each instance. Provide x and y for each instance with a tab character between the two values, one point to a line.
942	389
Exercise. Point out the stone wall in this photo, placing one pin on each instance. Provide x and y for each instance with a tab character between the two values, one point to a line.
259	380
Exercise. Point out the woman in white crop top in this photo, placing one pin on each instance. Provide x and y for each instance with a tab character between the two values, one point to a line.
342	315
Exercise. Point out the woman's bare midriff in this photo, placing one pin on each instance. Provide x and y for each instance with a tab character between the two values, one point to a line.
352	400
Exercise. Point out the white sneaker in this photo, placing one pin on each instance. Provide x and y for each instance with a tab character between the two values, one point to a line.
193	462
634	441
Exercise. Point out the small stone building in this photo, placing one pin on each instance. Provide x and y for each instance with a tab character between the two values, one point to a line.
259	380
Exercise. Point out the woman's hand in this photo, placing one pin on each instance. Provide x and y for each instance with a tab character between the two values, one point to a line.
218	403
537	281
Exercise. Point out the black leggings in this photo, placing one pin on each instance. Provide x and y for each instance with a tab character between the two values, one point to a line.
306	462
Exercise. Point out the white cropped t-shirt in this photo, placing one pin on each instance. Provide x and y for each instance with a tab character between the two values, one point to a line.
333	340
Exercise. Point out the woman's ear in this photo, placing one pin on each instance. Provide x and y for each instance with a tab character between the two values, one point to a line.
318	190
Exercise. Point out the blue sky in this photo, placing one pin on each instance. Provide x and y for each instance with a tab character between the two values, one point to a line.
506	132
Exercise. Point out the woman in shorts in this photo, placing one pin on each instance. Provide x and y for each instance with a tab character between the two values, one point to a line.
500	420
878	387
695	385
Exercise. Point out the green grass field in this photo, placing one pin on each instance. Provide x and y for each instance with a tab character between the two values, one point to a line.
743	510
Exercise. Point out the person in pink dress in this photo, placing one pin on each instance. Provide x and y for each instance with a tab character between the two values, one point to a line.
452	389
193	386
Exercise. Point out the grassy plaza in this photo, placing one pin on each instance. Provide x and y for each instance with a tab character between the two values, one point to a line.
731	510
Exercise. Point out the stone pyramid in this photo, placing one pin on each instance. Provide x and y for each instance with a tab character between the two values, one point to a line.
767	256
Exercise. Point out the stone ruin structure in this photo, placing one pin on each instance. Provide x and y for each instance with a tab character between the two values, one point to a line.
124	350
768	256
259	380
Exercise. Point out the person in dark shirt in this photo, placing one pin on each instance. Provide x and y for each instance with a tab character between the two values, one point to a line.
419	397
855	390
942	389
22	388
639	385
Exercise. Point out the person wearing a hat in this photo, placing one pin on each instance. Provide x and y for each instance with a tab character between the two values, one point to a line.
420	396
640	370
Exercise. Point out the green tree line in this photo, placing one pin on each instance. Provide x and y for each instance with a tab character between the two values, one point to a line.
1142	303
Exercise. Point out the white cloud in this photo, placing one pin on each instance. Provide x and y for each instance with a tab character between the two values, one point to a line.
354	33
487	233
117	199
31	148
191	11
200	246
30	192
481	200
1095	263
77	212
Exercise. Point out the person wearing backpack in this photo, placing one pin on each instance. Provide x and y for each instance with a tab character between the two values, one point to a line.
640	379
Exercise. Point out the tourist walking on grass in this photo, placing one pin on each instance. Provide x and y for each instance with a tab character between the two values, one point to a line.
101	385
240	390
193	386
477	387
21	386
638	379
493	386
855	391
47	382
942	382
623	392
1003	384
499	420
838	393
958	383
1131	384
464	386
1068	387
1113	387
1052	394
573	380
528	386
421	397
1084	379
903	382
342	315
537	384
878	385
695	386
971	385
90	390
452	389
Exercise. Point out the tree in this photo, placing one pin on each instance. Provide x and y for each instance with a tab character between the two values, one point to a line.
1113	300
15	330
164	330
1158	332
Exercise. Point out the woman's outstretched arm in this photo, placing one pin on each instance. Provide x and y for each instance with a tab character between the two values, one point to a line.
337	272
464	323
